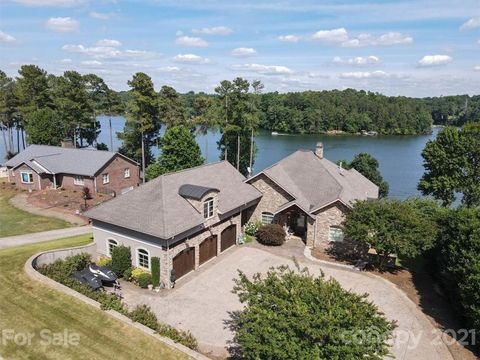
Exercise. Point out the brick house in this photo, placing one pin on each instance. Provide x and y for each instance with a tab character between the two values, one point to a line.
191	216
40	167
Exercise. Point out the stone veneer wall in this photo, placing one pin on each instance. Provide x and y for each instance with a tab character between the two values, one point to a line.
273	196
332	215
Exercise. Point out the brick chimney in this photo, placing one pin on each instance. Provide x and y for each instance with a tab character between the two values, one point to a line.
67	143
319	150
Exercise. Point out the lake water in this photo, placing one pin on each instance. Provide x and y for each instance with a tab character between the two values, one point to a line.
399	156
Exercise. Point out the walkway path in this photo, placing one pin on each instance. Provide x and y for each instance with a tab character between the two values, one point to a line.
20	201
18	240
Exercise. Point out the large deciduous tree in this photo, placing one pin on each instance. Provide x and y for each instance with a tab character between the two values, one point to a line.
390	227
292	315
45	127
143	121
179	151
451	163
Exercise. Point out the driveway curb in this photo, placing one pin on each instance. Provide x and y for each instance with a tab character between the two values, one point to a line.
35	275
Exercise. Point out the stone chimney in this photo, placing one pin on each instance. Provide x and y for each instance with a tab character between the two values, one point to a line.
319	150
67	143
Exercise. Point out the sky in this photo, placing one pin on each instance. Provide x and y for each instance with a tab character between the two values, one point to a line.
411	48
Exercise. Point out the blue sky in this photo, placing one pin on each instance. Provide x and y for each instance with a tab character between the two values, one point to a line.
412	48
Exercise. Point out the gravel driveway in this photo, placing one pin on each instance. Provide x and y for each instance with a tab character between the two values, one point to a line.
202	301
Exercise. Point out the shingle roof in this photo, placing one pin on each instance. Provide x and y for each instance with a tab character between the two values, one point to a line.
194	191
54	159
158	209
316	182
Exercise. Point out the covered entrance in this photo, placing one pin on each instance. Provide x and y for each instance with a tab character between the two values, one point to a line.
228	237
294	220
184	262
208	249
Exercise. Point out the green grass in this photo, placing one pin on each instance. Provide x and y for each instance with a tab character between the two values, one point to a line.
26	306
14	221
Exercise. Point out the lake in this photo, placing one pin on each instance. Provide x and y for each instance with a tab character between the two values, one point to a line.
399	156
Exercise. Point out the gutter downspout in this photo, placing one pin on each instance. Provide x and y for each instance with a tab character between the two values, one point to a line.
95	183
55	181
39	182
314	233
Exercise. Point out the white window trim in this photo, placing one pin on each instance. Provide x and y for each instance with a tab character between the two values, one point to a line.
149	258
79	180
109	254
207	202
126	173
330	228
28	173
103	178
266	213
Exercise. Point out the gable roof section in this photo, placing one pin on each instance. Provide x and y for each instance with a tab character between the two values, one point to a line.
158	209
316	182
57	160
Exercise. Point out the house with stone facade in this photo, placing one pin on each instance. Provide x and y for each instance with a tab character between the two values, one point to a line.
41	167
309	195
189	217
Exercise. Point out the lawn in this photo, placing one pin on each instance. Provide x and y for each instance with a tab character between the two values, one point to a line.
27	306
14	221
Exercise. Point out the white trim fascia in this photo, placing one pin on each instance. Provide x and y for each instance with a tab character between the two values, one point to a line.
40	166
128	237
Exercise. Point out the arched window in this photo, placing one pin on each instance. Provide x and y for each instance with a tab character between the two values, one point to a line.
143	259
110	245
267	218
208	208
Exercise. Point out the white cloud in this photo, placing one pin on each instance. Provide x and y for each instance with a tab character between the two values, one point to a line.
191	59
435	60
62	24
100	16
66	61
107	52
358	61
333	36
363	74
91	63
289	38
476	68
108	43
216	30
62	3
169	69
243	52
264	69
6	38
387	39
191	41
472	23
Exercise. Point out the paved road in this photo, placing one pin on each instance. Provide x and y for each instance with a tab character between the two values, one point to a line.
18	240
202	301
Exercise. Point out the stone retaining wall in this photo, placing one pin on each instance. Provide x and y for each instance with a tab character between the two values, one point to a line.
50	256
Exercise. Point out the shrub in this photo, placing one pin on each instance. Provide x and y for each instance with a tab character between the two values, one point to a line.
183	337
144	315
104	261
251	228
271	234
268	327
137	272
144	280
127	274
121	259
155	271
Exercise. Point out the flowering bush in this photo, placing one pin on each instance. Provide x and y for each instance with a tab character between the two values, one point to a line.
251	228
137	273
104	261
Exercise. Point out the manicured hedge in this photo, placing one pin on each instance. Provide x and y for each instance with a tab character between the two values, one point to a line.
271	234
155	271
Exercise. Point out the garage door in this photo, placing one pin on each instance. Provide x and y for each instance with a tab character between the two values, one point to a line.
229	237
184	262
208	249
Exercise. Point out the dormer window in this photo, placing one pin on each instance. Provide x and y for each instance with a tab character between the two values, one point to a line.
208	208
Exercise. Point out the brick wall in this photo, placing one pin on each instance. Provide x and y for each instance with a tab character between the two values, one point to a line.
16	177
67	181
115	168
332	215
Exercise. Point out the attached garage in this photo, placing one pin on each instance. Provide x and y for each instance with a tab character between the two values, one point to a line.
208	249
184	262
229	237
